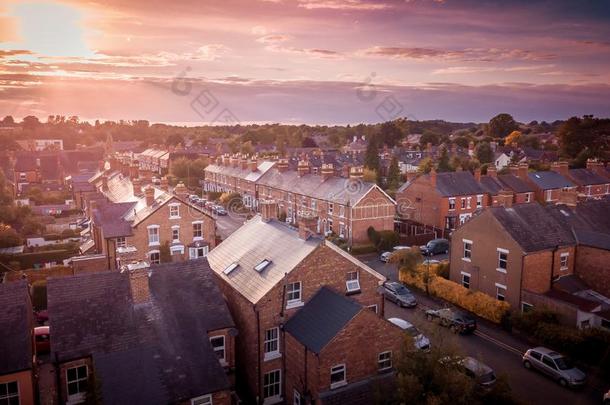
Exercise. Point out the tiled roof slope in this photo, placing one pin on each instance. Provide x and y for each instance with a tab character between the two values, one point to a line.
15	327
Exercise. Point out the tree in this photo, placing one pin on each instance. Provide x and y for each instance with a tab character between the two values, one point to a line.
8	121
429	137
390	133
443	161
577	134
8	237
30	122
484	153
394	174
425	165
369	175
512	138
501	125
247	148
309	142
371	157
174	139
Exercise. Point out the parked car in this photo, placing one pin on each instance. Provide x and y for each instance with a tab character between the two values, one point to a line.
42	338
210	205
399	294
219	210
480	372
554	365
607	398
385	256
193	198
457	321
435	247
420	341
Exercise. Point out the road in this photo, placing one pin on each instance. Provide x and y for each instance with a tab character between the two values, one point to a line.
227	224
493	346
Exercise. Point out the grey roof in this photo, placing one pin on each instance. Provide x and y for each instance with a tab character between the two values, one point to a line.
585	177
238	172
253	242
321	319
15	327
363	392
109	217
533	227
491	184
94	314
548	180
514	183
457	183
589	220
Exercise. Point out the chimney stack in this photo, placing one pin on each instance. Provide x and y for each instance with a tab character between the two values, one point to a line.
234	161
327	171
522	170
137	186
133	170
138	282
302	168
471	148
282	165
149	194
253	164
104	182
345	171
244	163
308	224
560	167
433	177
504	199
92	207
429	147
477	175
568	197
491	171
268	209
596	167
181	191
164	183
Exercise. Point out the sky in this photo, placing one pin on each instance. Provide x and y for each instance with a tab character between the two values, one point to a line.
305	61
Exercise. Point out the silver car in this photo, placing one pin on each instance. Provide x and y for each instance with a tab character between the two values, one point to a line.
420	341
554	365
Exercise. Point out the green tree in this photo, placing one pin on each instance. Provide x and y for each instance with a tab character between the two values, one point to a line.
9	237
501	125
394	178
174	139
390	133
577	134
443	161
371	157
484	153
425	165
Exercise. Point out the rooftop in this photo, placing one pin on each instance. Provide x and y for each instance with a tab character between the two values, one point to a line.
457	183
548	180
15	327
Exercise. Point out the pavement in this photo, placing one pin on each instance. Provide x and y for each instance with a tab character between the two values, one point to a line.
493	346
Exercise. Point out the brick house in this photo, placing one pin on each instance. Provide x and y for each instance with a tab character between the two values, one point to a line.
505	250
506	189
237	174
591	182
550	184
267	271
321	363
154	335
131	222
17	372
346	206
443	200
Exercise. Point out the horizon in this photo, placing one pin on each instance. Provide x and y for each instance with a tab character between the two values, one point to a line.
313	62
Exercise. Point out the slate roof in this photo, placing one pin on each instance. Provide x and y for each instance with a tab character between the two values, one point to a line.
110	217
49	167
548	180
159	346
249	245
363	392
589	220
533	227
321	319
240	173
491	185
25	162
516	184
585	177
457	183
15	327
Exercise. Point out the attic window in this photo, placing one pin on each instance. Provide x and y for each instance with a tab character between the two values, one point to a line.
565	214
230	268
537	176
262	265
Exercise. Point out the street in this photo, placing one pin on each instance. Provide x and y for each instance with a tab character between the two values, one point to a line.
490	344
227	224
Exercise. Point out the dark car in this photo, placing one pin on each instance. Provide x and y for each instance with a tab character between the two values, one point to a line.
219	210
399	294
435	247
458	322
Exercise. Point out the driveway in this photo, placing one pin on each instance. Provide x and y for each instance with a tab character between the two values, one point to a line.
493	346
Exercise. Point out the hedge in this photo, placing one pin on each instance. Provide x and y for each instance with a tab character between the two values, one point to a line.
363	249
383	240
476	302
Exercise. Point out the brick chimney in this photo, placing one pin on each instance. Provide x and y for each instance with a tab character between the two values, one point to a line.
268	209
302	168
327	171
568	197
282	165
345	171
234	161
429	147
491	171
523	169
471	148
133	170
356	173
253	164
219	160
226	161
477	175
433	177
181	191
138	282
137	186
244	163
560	167
504	199
596	167
164	183
149	194
308	223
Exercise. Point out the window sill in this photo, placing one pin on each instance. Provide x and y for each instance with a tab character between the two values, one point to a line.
272	356
501	270
154	244
175	217
197	238
294	304
563	269
272	400
353	292
338	385
466	259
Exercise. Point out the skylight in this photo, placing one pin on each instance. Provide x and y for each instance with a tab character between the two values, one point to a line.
262	265
230	268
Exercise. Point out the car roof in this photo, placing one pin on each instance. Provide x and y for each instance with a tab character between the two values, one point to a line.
439	240
41	330
547	351
401	323
475	365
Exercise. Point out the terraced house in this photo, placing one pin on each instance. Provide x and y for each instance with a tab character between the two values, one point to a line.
135	223
269	271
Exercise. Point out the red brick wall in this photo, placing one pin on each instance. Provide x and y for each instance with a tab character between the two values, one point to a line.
376	210
421	203
537	272
63	389
592	265
25	382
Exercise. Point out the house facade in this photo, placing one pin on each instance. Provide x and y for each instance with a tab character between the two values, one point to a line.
268	271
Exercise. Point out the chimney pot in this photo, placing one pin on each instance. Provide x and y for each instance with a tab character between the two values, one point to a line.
268	210
138	282
327	171
149	194
477	175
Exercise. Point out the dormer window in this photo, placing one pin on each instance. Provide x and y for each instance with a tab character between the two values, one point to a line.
352	282
262	265
230	268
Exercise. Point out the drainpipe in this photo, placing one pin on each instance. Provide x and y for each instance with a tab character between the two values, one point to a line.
258	352
553	266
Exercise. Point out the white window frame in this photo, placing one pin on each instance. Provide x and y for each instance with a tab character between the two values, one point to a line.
452	204
202	400
467	258
479	200
269	353
172	207
121	242
200	224
176	228
296	398
339	368
80	394
176	249
8	396
549	195
526	304
151	240
528	197
500	253
464	274
150	253
277	397
381	362
462	203
330	208
565	256
342	211
294	297
498	294
342	230
194	252
352	284
468	202
373	308
223	359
